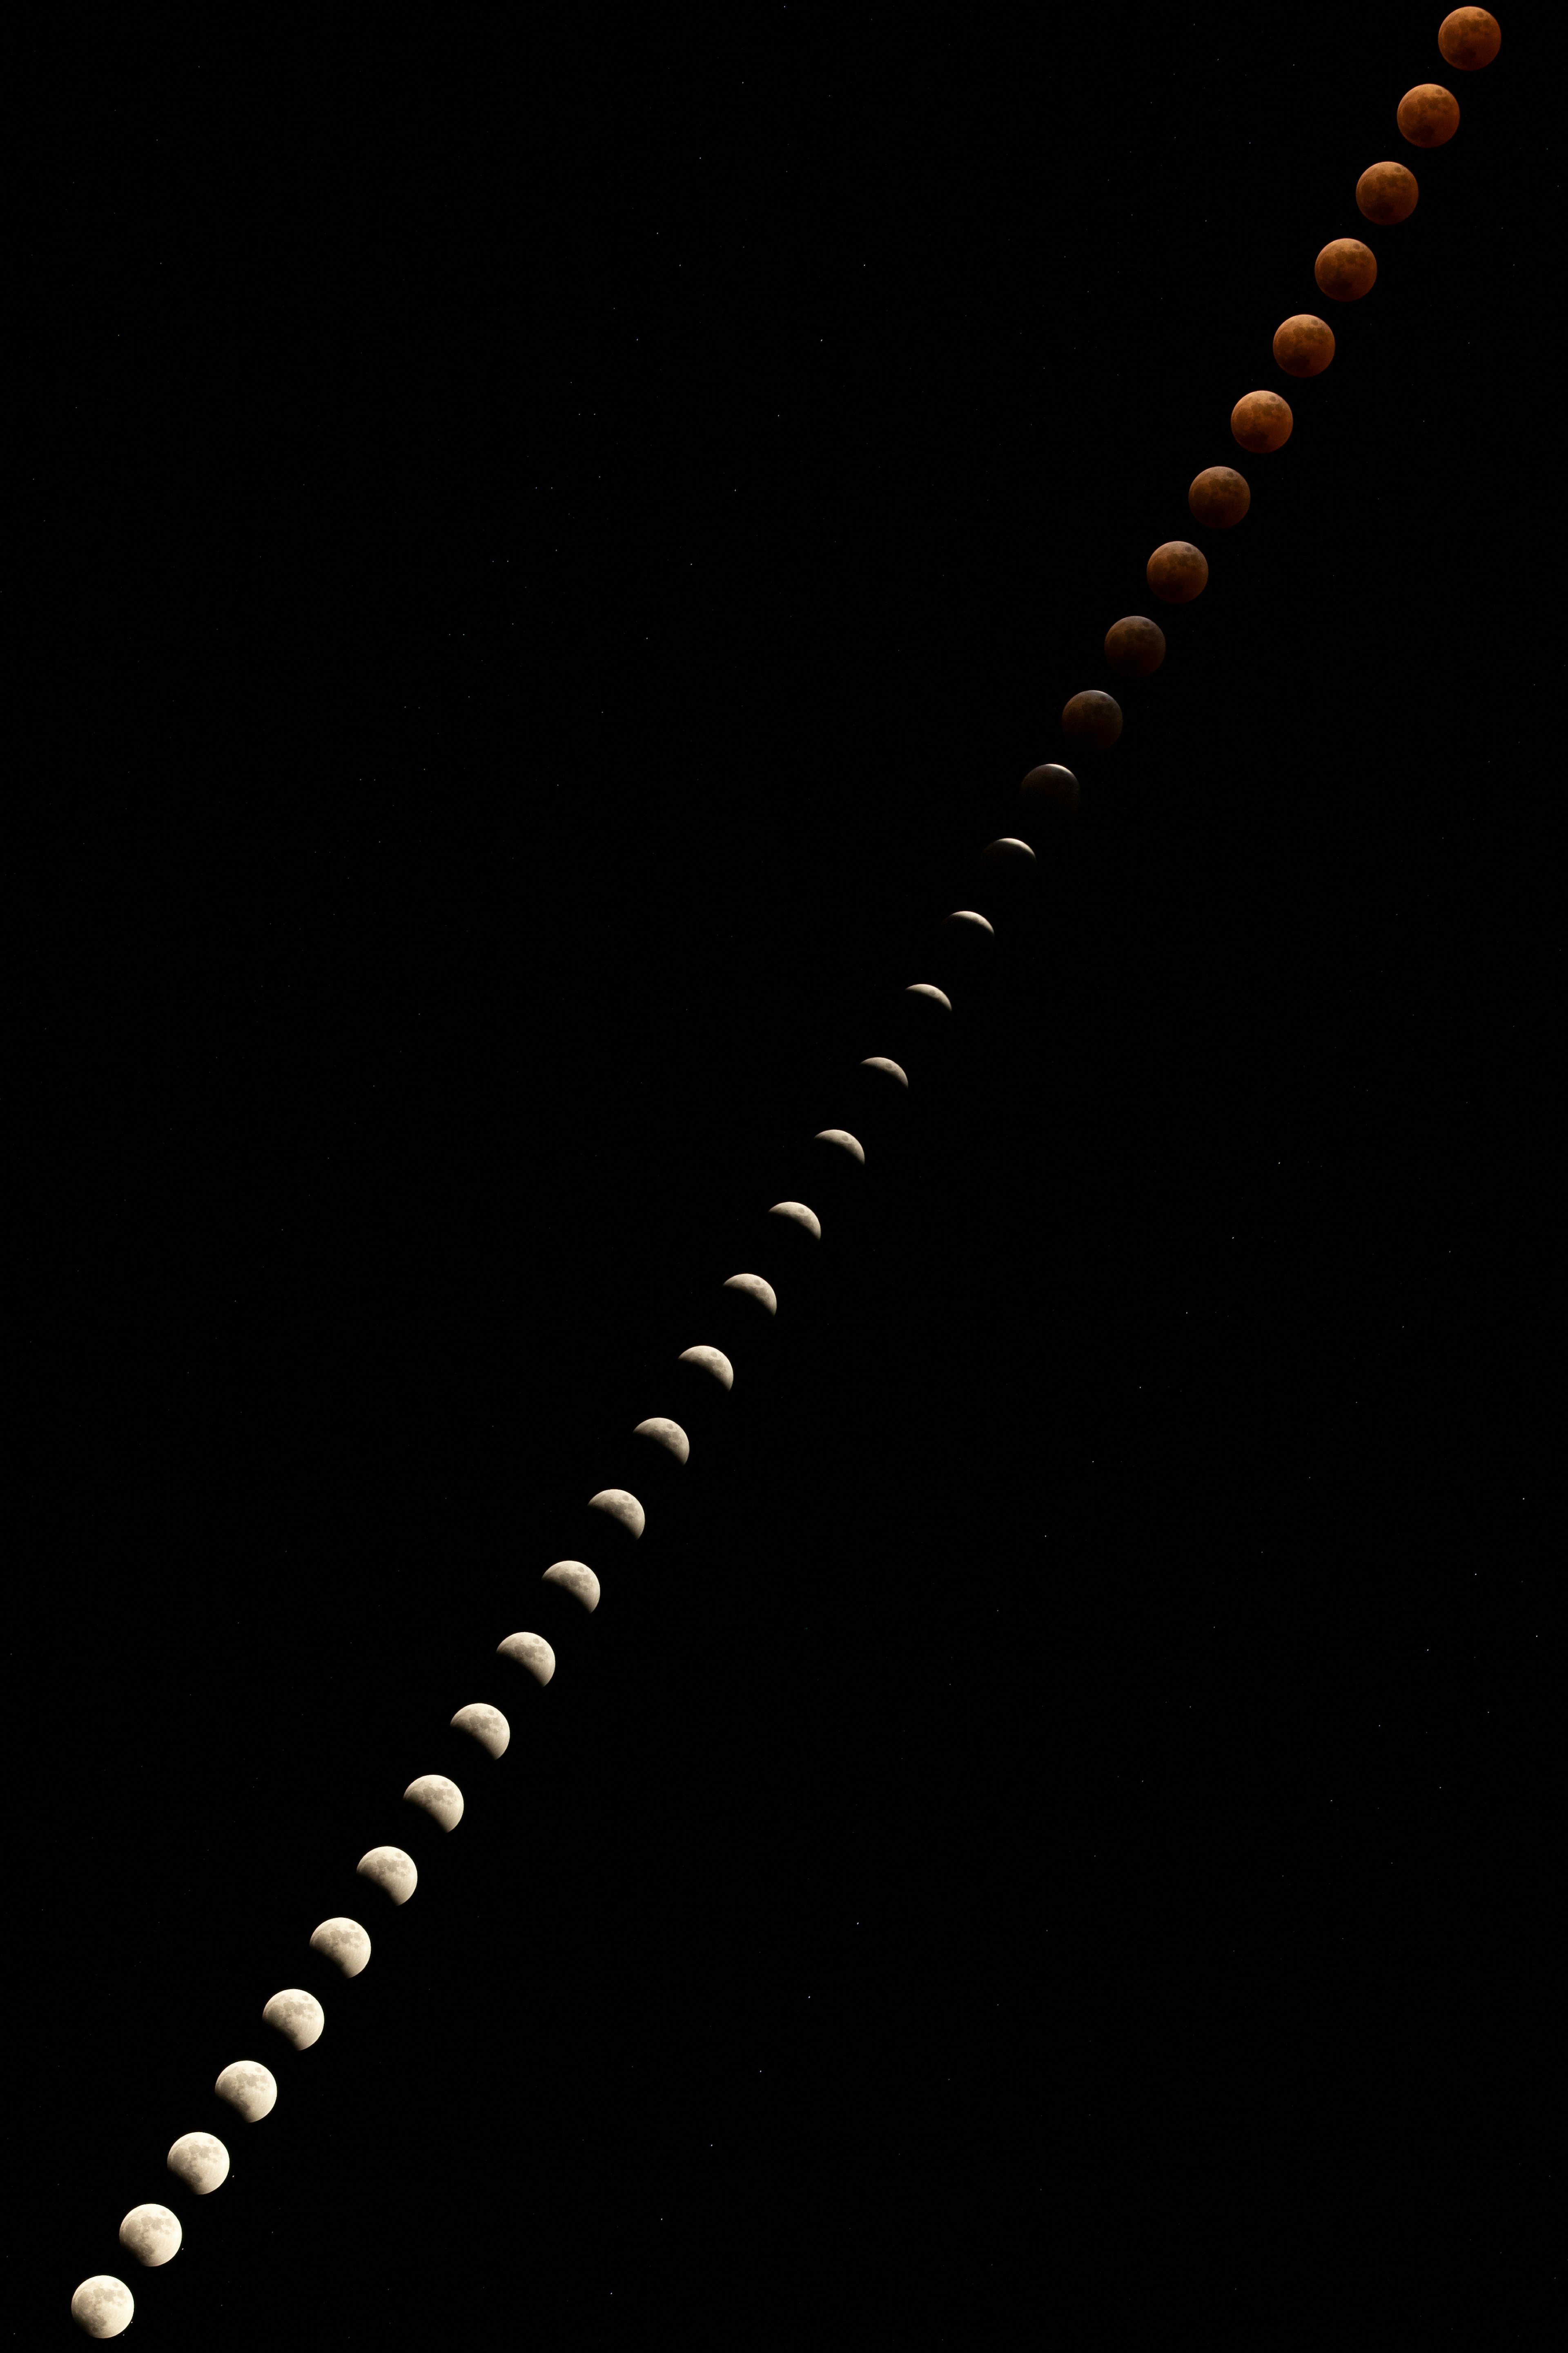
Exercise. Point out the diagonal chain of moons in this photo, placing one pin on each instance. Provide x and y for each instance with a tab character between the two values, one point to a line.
1218	497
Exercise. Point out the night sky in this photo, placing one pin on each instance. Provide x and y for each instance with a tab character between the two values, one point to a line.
555	562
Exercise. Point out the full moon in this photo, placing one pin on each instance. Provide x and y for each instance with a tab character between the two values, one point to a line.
1303	346
1178	572
574	1576
1134	646
1387	192
103	2306
296	2016
388	1868
249	2088
152	2234
1345	270
530	1652
1261	421
1218	497
1429	115
200	2160
1469	39
343	1942
486	1725
1091	721
435	1796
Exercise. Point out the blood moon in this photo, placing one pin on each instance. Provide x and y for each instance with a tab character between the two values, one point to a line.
1303	346
1218	497
1428	115
1346	269
1261	421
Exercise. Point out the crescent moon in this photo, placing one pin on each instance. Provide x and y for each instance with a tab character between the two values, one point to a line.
796	1213
713	1361
752	1286
573	1577
624	1508
668	1435
486	1725
435	1796
531	1651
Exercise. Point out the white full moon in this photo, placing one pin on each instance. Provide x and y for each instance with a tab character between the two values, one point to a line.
343	1942
200	2160
250	2089
296	2016
388	1868
668	1435
435	1796
619	1505
486	1725
530	1651
576	1577
711	1360
103	2306
796	1213
752	1286
152	2234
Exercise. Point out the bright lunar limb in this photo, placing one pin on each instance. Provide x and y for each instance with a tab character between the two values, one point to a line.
888	1069
839	1137
616	1504
752	1286
435	1796
530	1652
296	2016
103	2306
963	919
711	1360
152	2234
1134	646
928	989
486	1725
575	1577
1049	793
1091	719
667	1435
250	2089
343	1942
200	2160
388	1868
796	1213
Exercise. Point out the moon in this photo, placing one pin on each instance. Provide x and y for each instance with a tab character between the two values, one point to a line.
249	2088
1303	346
1178	572
796	1213
152	2234
1218	497
1429	115
1091	719
1049	795
1134	646
575	1577
435	1796
1470	38
893	1069
388	1868
344	1942
296	2016
1346	269
622	1507
838	1139
103	2306
1387	192
486	1725
1261	421
200	2160
530	1651
713	1361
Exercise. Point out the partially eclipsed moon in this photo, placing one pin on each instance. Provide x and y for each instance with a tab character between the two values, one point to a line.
963	920
618	1504
890	1071
249	2088
1303	346
1091	721
296	2016
1346	269
1429	115
1261	421
388	1868
344	1942
839	1139
530	1652
713	1361
103	2306
930	991
1049	794
1178	572
1135	646
1006	859
435	1796
796	1213
152	2234
752	1287
486	1725
575	1577
200	2160
1218	497
1387	192
1470	38
667	1435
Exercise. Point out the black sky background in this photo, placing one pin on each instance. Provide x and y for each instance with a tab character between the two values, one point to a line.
552	565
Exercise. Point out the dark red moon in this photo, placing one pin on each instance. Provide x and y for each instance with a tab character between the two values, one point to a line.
1345	270
1134	646
1218	497
1261	421
1387	192
1092	721
1049	793
1429	115
1178	572
1303	346
1470	37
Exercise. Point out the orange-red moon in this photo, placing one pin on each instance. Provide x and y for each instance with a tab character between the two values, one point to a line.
1387	192
1261	421
1218	497
1092	721
1134	646
1468	37
1178	572
1303	346
1345	269
1429	115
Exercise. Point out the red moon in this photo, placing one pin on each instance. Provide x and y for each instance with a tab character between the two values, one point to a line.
1304	346
1092	721
1178	572
1387	192
1218	497
1429	115
1345	270
1468	37
1134	646
1261	421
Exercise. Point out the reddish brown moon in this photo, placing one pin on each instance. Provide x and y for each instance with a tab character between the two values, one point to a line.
1049	794
1387	192
1345	270
1468	37
1261	421
1429	115
1091	721
1134	646
1303	346
1218	497
1178	572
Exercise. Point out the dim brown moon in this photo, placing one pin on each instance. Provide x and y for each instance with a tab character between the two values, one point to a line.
1261	421
530	1651
103	2306
343	1942
1048	796
248	2088
1470	38
1303	346
1387	192
1429	115
1134	646
1218	497
575	1577
1091	721
435	1796
296	2016
1345	270
152	2234
1178	572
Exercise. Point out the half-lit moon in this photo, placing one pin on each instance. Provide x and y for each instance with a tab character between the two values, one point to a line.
152	2234
1428	115
1387	192
388	1868
200	2160
484	1724
296	2016
619	1504
796	1213
755	1288
103	2306
343	1942
1303	346
1218	497
1346	269
574	1576
434	1795
1261	421
1178	572
1470	38
1134	646
713	1361
248	2088
531	1652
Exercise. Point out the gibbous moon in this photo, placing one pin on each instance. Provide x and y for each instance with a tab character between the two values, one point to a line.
1429	115
152	2234
616	1504
1261	421
1091	721
1345	270
249	2088
1134	646
890	1071
752	1286
709	1360
388	1868
435	1796
796	1213
103	2306
1178	572
200	2160
839	1138
486	1725
344	1942
1049	795
1303	346
1218	497
530	1651
667	1435
296	2016
1469	39
1387	192
575	1577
